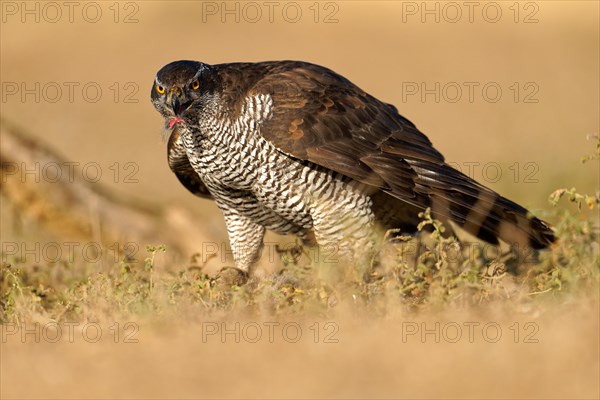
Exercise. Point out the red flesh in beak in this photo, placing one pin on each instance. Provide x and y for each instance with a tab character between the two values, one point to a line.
174	120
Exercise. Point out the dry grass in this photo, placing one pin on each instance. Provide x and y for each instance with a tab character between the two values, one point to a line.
428	326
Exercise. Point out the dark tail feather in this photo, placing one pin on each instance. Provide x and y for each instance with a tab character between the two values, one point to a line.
482	212
507	221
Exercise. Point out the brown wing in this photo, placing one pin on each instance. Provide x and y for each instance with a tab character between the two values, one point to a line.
321	117
180	165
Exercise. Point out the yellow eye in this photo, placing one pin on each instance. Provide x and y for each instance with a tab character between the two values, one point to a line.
160	89
196	84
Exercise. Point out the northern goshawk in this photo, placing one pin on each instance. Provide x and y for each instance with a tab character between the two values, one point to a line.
296	148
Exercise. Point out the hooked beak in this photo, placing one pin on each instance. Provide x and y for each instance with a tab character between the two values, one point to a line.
178	101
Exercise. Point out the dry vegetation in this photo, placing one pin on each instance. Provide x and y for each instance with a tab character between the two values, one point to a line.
545	299
414	274
442	273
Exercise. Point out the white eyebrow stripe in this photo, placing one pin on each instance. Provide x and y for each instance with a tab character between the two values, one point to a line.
197	76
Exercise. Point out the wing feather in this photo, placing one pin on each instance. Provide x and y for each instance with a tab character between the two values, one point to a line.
320	117
181	167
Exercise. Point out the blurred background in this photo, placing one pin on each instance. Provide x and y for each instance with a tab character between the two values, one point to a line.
506	91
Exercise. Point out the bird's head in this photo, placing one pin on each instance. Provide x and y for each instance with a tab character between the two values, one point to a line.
182	90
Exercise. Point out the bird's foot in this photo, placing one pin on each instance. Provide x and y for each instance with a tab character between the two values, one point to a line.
231	276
